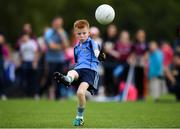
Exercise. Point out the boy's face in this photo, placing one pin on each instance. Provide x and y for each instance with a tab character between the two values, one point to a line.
82	34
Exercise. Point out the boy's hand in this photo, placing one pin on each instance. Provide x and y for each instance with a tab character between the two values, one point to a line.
102	56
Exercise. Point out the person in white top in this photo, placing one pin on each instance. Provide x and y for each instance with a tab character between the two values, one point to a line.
29	58
28	49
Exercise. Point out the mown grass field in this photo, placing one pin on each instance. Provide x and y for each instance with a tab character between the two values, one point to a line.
28	113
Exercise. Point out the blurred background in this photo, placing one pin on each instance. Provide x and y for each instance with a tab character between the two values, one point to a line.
159	18
143	41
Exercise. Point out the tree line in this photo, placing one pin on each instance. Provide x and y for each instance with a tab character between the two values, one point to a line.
158	17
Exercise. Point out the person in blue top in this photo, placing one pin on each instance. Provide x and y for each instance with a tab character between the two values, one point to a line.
155	71
84	74
56	41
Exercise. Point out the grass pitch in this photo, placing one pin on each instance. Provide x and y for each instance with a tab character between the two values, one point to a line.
27	113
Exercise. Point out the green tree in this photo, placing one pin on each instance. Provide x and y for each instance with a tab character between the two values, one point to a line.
158	17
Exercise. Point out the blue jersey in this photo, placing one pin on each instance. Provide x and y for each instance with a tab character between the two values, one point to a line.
84	55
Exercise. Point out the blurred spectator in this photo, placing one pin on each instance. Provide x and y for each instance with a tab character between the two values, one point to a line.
41	41
110	39
167	53
42	65
56	41
167	62
2	85
176	44
95	35
20	69
69	51
140	51
29	58
176	75
9	65
111	34
155	72
26	29
121	53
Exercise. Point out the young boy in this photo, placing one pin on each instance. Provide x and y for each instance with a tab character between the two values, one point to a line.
155	72
84	74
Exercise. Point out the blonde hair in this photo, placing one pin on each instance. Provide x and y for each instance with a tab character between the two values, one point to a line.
81	24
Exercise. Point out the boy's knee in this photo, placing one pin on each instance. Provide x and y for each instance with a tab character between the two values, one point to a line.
80	93
73	74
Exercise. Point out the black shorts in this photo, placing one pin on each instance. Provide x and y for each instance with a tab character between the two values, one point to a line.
89	76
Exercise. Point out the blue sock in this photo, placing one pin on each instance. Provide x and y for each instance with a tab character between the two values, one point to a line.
80	111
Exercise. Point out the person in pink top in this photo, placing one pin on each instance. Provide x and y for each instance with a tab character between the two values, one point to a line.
168	54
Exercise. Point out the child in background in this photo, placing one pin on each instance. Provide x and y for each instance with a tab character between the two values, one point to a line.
155	72
95	35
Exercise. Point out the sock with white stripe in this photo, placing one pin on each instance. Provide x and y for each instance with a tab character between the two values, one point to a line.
69	79
80	111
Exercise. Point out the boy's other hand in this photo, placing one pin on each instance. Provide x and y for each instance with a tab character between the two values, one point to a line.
102	56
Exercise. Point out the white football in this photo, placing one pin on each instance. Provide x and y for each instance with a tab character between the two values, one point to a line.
104	14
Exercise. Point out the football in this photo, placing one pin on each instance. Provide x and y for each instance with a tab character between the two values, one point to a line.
104	14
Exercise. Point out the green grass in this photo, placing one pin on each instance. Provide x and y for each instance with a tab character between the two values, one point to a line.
60	114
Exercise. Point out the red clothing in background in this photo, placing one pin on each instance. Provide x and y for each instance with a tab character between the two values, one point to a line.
168	54
124	50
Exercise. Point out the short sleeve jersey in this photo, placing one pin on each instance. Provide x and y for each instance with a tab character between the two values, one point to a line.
84	55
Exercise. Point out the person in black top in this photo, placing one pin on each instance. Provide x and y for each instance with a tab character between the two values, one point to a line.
2	95
176	74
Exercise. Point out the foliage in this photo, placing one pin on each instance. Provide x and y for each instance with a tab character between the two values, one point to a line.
158	17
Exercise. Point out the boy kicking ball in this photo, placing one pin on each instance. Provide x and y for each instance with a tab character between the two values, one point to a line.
84	74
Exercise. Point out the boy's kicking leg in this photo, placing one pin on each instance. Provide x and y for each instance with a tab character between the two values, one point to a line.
66	80
81	103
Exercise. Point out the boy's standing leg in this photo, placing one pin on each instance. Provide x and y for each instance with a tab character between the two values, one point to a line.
81	103
71	76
